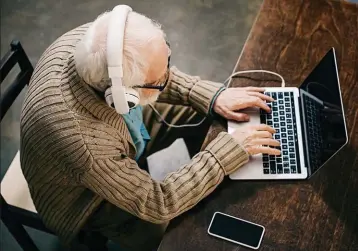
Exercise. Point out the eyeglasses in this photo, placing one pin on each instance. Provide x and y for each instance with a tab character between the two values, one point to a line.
162	82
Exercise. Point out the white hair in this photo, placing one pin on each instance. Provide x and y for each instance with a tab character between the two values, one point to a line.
90	54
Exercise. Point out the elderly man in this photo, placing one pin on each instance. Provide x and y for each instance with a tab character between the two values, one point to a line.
82	159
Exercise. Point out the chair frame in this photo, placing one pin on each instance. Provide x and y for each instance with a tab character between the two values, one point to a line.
15	218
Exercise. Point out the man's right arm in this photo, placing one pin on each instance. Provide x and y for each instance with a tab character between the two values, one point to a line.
124	184
184	89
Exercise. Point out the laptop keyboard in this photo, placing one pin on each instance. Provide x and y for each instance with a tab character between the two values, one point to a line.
283	119
315	140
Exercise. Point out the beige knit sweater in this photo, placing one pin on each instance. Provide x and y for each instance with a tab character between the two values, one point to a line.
76	151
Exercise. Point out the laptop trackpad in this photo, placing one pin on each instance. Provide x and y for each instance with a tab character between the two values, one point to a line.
254	114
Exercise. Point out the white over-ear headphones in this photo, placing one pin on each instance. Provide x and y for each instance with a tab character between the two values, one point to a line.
124	98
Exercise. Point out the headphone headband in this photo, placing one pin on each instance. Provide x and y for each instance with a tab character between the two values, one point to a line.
115	41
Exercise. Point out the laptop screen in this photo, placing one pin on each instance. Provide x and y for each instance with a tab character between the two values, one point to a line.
322	113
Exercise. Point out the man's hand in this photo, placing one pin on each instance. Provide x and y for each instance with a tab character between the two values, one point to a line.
234	99
257	139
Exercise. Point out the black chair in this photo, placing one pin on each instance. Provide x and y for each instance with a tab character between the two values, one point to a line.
14	217
19	212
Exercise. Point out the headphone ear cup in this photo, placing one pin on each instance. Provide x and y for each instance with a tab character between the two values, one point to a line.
132	97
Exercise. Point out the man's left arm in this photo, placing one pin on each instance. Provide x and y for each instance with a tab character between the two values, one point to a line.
183	89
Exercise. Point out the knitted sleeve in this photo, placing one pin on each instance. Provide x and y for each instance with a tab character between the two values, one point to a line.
184	89
121	182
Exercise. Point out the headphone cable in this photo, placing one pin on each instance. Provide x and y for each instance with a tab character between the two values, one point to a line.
228	79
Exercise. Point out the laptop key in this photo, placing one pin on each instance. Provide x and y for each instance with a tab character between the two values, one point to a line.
292	161
292	155
279	168
286	164
286	170
286	94
280	102
272	157
278	160
265	159
262	118
282	118
276	125
272	166
283	135
284	147
266	165
283	124
285	152
280	95
290	137
293	167
290	143
283	130
266	171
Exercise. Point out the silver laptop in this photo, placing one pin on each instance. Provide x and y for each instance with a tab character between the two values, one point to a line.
309	123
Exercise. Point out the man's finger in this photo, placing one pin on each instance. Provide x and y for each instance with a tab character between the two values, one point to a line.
237	116
255	101
264	127
255	89
261	96
264	149
262	134
266	142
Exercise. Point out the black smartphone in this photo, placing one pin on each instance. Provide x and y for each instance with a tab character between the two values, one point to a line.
236	230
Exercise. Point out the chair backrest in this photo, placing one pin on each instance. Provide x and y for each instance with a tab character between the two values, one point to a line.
16	55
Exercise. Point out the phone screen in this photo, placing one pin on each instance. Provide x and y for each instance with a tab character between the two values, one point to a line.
236	230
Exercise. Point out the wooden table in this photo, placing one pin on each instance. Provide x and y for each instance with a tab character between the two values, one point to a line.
290	37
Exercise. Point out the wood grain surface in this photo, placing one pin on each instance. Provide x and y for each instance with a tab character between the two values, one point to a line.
290	37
